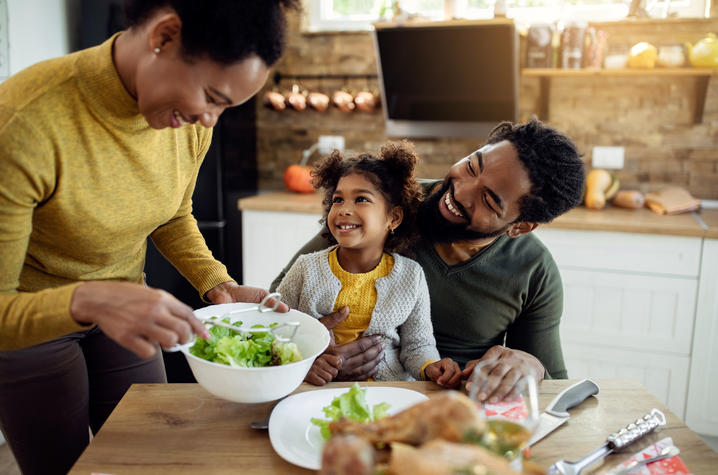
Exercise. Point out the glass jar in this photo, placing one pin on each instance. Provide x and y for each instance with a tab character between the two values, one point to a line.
671	56
616	57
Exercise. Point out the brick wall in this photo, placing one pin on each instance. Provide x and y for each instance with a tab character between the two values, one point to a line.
651	116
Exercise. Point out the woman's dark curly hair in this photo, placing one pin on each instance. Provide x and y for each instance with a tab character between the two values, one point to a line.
392	172
226	31
554	166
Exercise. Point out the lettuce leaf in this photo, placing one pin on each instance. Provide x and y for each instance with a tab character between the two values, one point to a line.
244	350
352	405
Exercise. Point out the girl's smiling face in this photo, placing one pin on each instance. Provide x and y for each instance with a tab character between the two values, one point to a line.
361	217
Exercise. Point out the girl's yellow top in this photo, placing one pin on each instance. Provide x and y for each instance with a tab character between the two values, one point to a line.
359	294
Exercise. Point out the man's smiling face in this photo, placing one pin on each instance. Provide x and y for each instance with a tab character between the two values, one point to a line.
479	198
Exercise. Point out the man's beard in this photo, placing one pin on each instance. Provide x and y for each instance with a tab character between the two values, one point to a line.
436	228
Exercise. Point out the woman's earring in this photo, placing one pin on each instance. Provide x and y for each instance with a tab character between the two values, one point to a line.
391	231
156	50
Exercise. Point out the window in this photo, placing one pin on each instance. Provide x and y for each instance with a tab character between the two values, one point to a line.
360	14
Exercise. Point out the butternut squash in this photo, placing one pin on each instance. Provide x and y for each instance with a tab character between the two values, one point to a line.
598	183
633	199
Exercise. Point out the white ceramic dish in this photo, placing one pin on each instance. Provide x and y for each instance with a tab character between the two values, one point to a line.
298	441
254	385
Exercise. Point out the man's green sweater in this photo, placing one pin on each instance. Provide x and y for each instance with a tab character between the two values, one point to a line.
510	292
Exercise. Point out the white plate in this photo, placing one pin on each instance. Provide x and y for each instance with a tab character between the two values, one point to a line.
298	441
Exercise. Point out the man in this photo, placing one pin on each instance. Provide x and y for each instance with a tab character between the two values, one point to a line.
496	293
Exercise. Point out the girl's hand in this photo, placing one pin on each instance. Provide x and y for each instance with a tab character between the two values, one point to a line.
324	369
446	373
229	292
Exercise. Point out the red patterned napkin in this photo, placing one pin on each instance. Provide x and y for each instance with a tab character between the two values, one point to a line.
667	466
515	410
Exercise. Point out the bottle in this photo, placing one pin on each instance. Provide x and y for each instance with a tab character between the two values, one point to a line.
500	9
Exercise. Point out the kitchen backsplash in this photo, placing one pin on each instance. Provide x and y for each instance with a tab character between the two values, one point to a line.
651	116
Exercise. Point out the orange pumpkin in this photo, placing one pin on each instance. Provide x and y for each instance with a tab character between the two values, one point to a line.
298	178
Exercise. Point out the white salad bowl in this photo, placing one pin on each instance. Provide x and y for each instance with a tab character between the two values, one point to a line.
254	385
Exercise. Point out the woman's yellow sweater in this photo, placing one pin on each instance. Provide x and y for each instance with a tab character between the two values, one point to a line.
84	181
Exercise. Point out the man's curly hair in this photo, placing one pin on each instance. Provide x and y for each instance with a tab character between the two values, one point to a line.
554	166
392	172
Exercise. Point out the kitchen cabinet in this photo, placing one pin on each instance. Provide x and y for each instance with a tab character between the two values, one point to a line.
703	387
629	306
270	239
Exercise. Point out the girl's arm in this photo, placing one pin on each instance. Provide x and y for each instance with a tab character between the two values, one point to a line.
417	334
293	283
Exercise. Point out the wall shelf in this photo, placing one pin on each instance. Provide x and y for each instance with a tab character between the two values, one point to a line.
545	75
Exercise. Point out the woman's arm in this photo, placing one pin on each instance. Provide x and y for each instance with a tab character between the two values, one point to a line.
180	240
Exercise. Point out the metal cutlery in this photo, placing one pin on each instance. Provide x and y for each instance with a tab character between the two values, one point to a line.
667	452
556	413
284	339
262	308
616	441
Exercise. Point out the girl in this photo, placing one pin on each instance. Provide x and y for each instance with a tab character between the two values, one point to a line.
370	203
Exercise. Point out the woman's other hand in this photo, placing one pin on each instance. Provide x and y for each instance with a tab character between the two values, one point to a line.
445	372
135	316
229	292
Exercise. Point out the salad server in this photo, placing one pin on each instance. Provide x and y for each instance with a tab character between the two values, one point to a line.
616	441
229	326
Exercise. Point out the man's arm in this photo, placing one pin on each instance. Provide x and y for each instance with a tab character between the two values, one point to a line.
317	243
536	330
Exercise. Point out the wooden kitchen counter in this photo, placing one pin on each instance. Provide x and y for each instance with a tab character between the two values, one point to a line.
581	218
710	218
182	429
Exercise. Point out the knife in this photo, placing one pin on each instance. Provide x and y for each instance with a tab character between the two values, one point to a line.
556	413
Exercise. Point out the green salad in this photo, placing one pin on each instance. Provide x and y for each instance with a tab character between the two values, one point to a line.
352	405
245	350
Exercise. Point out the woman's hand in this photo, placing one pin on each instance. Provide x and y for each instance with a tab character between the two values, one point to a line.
445	372
505	368
229	292
135	316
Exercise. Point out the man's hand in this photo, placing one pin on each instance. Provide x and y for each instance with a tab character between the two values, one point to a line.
505	367
358	359
445	373
229	292
135	316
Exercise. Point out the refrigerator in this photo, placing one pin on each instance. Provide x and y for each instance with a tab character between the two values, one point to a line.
229	172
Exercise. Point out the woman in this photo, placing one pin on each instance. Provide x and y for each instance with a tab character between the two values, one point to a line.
99	150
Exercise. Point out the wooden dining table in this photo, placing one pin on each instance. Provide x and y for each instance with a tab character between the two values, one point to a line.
183	429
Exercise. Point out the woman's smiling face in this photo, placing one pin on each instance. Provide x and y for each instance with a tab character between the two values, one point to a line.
172	91
360	216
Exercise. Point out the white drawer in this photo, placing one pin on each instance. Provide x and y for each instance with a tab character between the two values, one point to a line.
666	377
602	250
629	310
